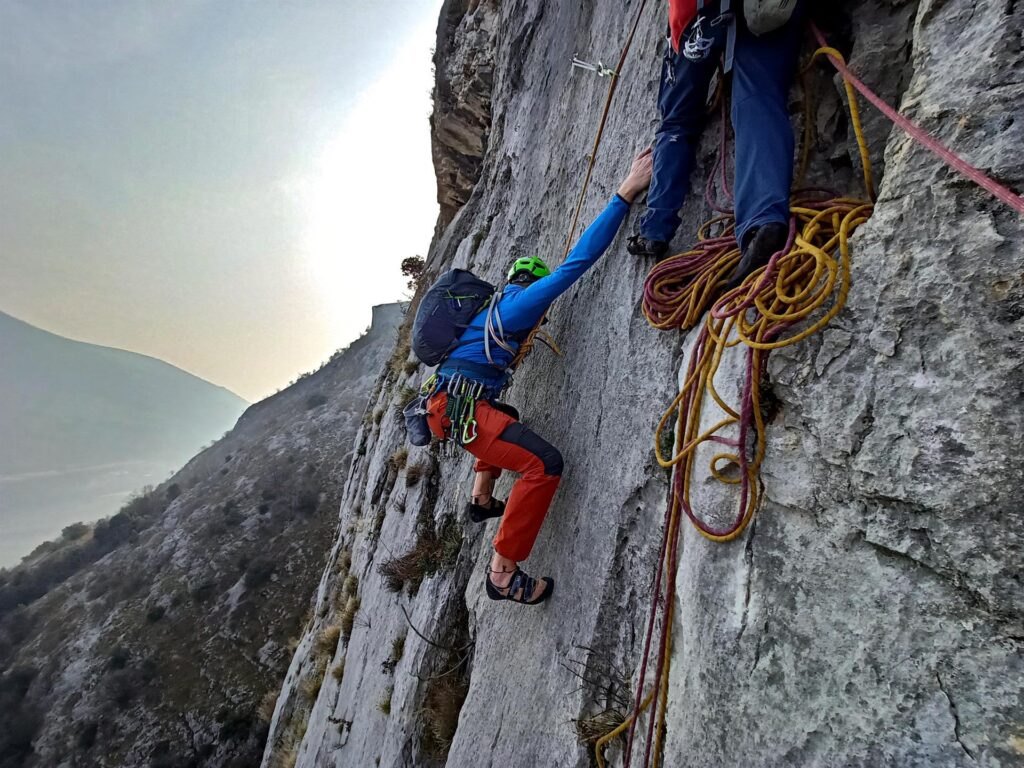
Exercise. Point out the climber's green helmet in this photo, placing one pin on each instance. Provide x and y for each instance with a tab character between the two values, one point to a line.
528	268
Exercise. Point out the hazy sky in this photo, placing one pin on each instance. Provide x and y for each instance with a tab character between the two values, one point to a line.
228	185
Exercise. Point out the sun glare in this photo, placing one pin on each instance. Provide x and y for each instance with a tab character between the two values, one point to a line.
370	197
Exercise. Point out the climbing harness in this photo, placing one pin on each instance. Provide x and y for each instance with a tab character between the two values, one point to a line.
698	46
460	411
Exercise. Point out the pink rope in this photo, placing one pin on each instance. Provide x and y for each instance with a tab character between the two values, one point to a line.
923	138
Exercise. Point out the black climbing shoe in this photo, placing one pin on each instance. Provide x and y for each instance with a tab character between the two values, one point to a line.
639	245
521	588
761	244
478	512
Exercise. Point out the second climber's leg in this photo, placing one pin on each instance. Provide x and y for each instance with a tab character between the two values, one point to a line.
681	100
762	74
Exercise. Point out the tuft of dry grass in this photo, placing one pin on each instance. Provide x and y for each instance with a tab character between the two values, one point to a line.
398	459
310	687
348	616
440	713
339	671
384	705
265	711
344	562
327	643
414	473
411	367
433	551
351	584
590	729
397	650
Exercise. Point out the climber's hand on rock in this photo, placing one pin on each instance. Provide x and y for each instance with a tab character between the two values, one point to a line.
639	177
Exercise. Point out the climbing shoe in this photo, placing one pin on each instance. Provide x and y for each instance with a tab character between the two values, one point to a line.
521	588
638	245
759	247
478	512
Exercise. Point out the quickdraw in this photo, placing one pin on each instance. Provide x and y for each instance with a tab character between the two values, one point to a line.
463	395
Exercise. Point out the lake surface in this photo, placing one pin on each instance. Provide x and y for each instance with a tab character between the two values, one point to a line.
35	507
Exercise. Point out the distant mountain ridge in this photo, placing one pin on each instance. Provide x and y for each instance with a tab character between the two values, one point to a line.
105	404
84	425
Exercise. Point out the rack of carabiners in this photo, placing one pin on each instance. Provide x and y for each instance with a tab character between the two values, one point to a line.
463	395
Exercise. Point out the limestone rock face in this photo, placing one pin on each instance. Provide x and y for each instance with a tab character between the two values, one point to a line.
872	614
159	634
464	62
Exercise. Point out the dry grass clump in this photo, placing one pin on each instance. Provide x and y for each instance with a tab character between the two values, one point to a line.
397	650
344	562
327	643
348	616
414	473
441	714
339	671
384	705
265	711
351	584
590	729
398	459
310	687
411	367
433	551
285	759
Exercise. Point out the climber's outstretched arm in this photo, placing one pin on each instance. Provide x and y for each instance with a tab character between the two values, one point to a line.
537	297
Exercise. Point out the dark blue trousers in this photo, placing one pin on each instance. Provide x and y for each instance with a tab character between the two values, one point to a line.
763	70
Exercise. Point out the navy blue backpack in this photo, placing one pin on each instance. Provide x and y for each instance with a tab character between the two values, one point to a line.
446	310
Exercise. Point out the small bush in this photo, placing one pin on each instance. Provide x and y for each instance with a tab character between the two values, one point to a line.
173	491
74	532
315	401
86	734
154	614
384	705
204	591
344	562
411	367
307	502
119	657
339	671
122	688
259	571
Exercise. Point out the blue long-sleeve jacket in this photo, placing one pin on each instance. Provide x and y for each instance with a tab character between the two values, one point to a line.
521	307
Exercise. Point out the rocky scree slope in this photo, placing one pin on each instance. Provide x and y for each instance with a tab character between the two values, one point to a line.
153	638
872	614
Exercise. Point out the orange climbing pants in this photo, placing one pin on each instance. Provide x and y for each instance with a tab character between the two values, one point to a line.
503	443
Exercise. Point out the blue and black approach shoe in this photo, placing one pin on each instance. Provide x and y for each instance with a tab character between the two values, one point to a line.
638	245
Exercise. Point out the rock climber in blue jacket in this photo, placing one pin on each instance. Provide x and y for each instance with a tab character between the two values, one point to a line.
502	442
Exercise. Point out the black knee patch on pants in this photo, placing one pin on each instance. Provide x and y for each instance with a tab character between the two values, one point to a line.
535	444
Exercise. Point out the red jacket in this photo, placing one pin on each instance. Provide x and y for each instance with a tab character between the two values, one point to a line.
680	14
